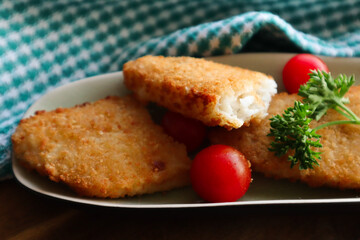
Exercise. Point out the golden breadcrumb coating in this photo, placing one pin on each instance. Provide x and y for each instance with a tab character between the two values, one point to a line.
109	148
340	163
213	93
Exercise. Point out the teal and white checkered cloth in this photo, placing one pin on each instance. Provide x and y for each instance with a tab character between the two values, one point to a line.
45	44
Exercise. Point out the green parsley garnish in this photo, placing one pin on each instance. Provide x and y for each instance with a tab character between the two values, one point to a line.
292	130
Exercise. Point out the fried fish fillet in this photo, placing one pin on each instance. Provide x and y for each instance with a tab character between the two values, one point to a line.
213	93
109	148
340	163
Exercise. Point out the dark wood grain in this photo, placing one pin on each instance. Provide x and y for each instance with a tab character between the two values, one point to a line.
27	215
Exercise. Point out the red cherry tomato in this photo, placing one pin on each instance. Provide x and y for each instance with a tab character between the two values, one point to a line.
220	173
189	131
296	70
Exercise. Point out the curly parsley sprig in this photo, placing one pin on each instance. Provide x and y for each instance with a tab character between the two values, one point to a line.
292	131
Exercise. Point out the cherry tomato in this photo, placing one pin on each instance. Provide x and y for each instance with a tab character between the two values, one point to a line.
220	173
296	70
189	131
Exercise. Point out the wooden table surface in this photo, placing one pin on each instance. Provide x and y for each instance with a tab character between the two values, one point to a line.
28	215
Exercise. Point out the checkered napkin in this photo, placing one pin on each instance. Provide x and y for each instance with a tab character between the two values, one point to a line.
45	44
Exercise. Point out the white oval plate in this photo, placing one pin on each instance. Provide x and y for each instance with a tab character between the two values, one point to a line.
262	191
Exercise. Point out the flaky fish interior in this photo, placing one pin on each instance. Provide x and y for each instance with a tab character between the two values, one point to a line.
216	94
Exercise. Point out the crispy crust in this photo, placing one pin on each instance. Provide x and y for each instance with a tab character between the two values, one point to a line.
340	164
110	148
192	87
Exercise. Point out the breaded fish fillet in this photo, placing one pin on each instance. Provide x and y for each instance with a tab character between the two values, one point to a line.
109	148
213	93
340	164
